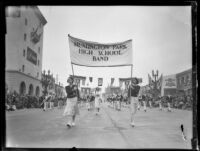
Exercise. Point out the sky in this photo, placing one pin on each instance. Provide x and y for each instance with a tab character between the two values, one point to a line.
161	39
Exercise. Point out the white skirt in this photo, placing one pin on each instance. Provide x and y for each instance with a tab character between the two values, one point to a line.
134	102
71	107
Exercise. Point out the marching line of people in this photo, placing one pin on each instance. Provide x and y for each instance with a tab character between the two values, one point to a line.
92	102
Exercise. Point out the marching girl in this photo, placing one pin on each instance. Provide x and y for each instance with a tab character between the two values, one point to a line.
133	97
71	109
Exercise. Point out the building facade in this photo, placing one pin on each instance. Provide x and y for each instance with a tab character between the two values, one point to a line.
169	85
24	49
184	82
177	84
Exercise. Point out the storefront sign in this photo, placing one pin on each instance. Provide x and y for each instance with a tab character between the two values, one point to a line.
31	56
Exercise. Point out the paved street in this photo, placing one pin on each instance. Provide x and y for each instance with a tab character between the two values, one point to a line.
154	129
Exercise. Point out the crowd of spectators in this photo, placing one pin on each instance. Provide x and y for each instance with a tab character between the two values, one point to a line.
179	102
14	101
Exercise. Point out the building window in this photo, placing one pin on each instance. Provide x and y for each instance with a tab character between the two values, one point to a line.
182	80
37	74
37	91
24	53
178	83
187	79
26	21
24	37
39	50
23	68
38	62
30	92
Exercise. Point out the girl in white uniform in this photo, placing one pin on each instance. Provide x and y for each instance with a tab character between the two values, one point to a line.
133	96
71	109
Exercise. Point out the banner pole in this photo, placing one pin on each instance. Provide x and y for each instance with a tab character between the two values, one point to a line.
131	71
72	69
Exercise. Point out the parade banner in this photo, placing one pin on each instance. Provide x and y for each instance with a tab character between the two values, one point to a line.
93	54
100	81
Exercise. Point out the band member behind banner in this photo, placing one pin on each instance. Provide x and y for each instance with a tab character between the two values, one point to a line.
144	102
133	91
92	99
51	102
169	102
113	101
88	103
71	109
118	101
97	102
160	102
150	101
46	102
139	102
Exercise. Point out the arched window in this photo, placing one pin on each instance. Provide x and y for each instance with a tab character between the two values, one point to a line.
30	91
182	80
22	88
37	91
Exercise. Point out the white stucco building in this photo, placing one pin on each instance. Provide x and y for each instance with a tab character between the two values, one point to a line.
24	49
